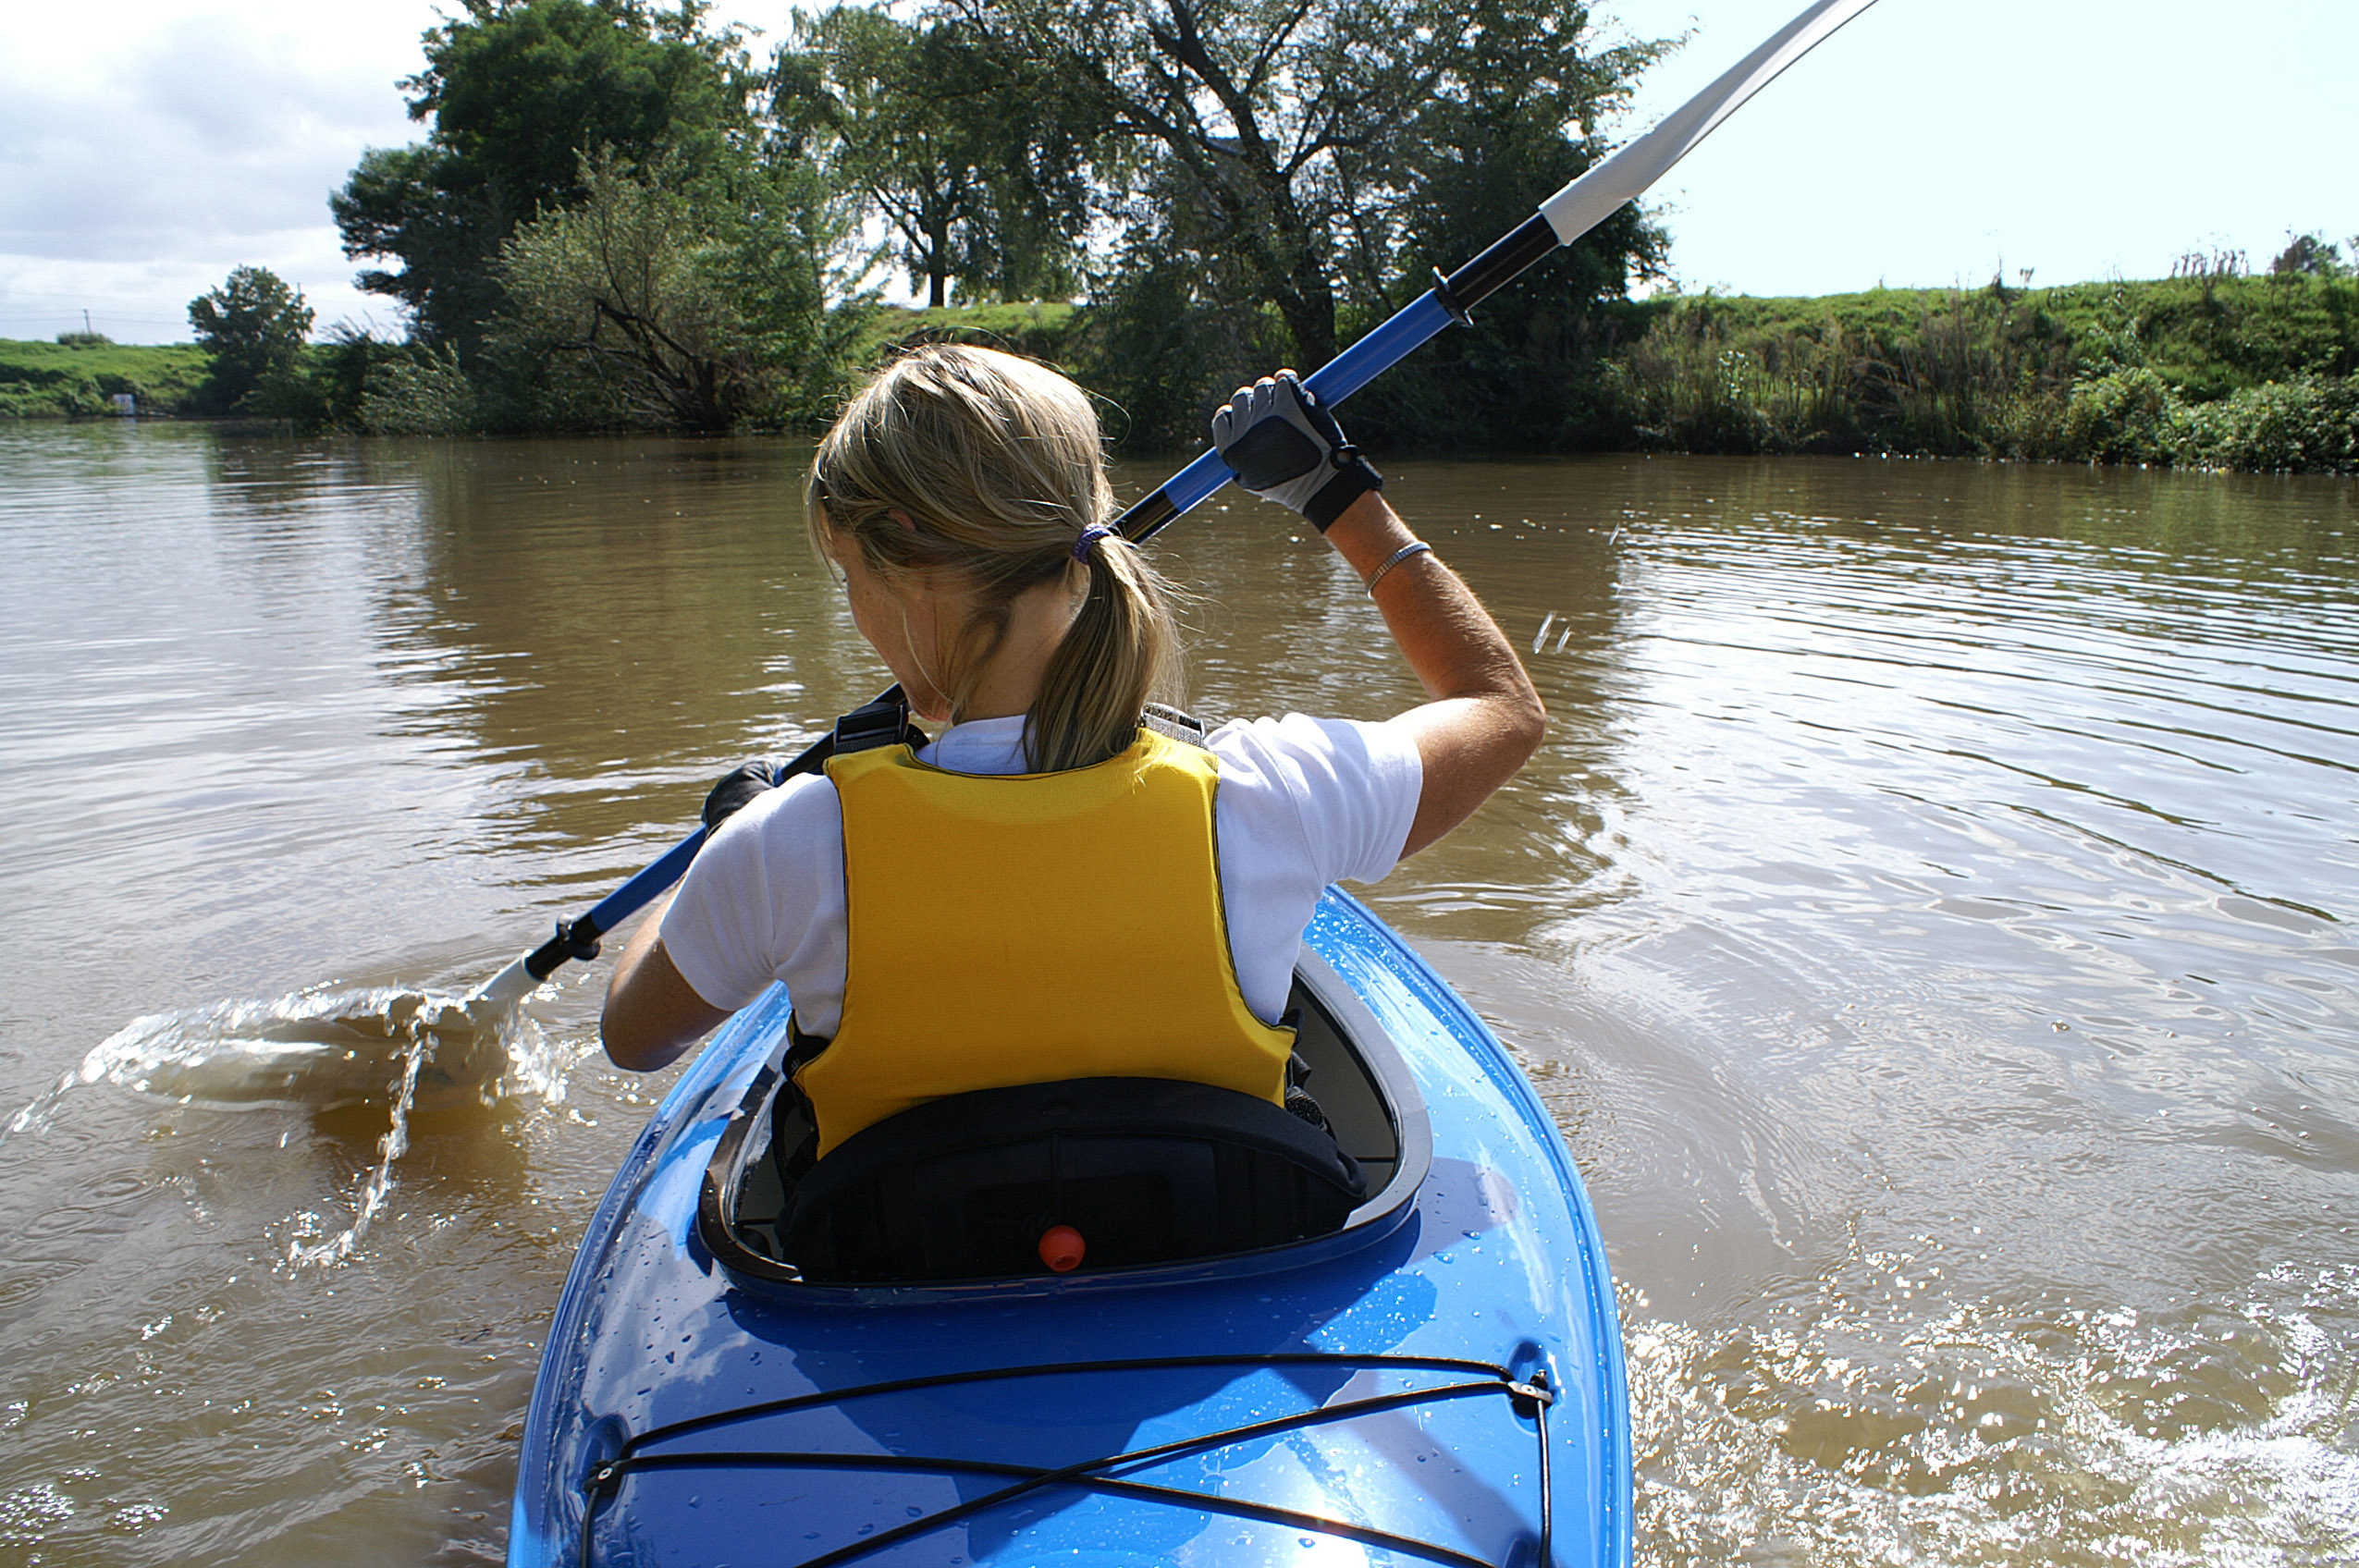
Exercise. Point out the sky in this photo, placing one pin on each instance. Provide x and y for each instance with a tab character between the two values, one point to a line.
148	147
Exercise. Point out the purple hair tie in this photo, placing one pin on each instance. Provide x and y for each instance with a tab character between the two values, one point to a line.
1090	537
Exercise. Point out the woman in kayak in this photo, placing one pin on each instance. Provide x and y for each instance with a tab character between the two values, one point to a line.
1056	888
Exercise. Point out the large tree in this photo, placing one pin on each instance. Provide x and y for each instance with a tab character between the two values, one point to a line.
678	301
1518	124
1291	139
516	92
977	159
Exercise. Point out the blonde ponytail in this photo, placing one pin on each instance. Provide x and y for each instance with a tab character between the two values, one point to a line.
989	467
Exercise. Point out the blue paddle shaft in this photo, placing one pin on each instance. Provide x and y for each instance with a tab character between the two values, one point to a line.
625	901
579	938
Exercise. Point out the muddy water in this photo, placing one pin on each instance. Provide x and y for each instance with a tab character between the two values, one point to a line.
1930	920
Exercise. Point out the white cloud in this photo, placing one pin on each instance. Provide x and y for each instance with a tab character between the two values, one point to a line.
140	164
147	149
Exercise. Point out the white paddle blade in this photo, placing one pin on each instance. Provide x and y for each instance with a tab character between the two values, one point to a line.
1594	197
497	996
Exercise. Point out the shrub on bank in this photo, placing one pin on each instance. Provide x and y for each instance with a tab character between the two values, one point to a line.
2305	425
2123	416
418	395
2210	370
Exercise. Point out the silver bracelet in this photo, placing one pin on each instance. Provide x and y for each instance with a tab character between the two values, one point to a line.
1415	547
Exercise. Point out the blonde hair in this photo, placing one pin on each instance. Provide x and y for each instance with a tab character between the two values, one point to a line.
995	463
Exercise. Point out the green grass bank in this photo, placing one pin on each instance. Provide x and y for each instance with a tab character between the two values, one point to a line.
78	380
2230	372
2222	372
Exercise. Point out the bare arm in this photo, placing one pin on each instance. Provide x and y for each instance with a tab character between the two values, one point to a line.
652	1015
1484	720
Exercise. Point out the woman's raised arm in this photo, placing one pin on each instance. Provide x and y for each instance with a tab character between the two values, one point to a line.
1483	721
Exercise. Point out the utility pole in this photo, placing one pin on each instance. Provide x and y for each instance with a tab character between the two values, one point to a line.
86	331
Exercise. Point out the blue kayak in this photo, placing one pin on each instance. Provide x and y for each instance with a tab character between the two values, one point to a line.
1438	1381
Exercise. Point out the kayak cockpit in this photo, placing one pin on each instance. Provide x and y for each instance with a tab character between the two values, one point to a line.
1139	1177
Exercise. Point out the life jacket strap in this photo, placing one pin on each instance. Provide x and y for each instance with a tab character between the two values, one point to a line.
884	722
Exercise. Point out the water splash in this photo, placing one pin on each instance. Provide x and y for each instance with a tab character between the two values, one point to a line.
429	1064
321	1051
317	1050
379	1185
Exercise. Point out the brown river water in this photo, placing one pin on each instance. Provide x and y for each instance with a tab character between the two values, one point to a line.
1931	919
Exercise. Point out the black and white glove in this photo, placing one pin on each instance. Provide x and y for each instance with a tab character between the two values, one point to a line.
736	788
1285	447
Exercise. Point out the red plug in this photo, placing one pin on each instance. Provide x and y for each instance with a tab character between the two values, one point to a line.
1062	1248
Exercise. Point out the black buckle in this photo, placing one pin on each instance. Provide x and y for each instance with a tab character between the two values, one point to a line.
884	722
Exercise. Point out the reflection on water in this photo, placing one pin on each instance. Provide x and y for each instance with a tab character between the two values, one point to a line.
1928	920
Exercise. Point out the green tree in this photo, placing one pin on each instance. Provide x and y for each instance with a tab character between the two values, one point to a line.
974	158
517	90
1288	138
666	300
253	326
1515	124
2312	255
405	203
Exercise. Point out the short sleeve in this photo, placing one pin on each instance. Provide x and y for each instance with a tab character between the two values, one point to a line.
1352	785
1302	803
754	883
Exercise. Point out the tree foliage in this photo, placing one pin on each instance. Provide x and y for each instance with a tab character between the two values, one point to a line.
402	203
612	220
685	304
975	157
253	326
2311	255
1294	145
517	90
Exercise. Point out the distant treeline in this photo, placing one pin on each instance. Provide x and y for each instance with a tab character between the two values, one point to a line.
620	218
2211	370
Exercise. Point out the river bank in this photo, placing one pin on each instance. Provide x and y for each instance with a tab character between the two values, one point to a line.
70	380
2214	371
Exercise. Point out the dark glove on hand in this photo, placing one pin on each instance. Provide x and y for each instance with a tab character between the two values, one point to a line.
1285	447
737	788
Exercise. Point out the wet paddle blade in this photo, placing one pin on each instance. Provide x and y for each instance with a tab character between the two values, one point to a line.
316	1050
490	1003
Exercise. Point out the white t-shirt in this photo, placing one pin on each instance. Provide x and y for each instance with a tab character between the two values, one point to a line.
1301	803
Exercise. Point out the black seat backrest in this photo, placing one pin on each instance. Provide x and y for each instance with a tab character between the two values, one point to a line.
1147	1169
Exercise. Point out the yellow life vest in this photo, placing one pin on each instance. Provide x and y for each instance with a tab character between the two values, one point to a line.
1030	928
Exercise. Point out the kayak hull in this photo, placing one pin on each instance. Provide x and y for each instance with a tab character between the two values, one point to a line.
1447	1385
